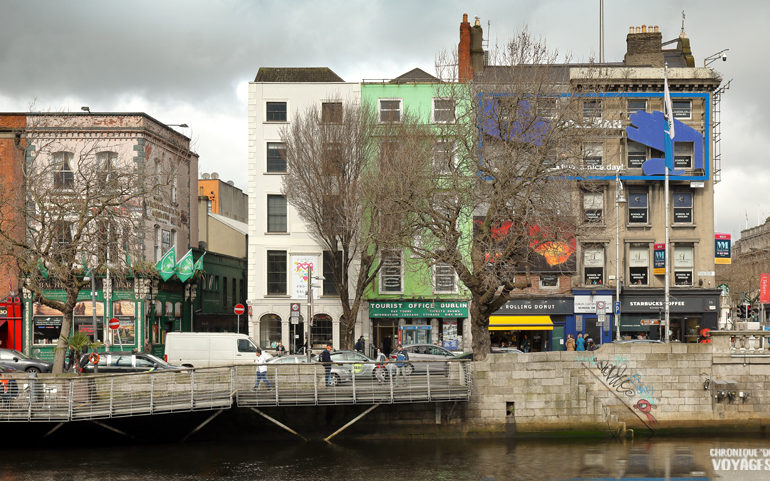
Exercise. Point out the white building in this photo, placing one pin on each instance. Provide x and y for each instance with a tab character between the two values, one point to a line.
280	248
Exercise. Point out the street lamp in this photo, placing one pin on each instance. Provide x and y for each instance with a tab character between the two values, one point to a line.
310	307
184	126
619	199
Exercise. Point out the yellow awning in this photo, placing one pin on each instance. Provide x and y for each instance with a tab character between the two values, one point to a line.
520	323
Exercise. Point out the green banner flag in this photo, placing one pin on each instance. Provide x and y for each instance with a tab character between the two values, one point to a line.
41	267
199	263
166	266
184	269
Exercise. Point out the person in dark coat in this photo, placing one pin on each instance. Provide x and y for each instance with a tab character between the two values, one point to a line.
326	359
360	344
70	360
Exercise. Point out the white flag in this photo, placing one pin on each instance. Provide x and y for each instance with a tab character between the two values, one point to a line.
667	101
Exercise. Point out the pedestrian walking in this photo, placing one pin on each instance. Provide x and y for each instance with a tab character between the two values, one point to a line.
379	368
580	343
261	371
360	344
326	359
570	343
401	366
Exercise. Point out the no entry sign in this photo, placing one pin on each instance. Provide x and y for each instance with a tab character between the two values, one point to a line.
114	323
239	309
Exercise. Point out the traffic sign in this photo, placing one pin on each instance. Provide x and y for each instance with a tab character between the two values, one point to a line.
114	323
600	306
239	309
617	307
295	307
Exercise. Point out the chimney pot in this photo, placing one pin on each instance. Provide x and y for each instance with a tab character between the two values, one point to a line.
644	28
465	17
477	23
656	29
631	29
638	29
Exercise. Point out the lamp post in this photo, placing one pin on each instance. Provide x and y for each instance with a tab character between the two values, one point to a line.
619	199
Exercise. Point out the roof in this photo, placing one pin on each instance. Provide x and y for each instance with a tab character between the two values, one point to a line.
415	75
239	226
296	74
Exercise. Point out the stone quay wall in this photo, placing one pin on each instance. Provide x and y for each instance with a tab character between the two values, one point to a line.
644	387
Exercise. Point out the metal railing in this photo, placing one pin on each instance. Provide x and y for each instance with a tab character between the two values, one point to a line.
52	398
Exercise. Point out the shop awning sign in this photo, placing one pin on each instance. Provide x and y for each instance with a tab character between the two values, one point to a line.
419	309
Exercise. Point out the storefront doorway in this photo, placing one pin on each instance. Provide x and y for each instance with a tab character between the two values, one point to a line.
384	334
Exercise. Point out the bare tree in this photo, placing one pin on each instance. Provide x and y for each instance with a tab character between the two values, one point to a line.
329	181
497	194
79	208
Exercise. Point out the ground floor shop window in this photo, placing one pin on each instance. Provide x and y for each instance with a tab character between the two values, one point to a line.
321	334
124	311
269	331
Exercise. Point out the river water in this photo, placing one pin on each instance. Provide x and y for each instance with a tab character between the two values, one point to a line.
741	459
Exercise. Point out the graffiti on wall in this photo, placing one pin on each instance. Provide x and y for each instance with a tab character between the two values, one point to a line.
615	375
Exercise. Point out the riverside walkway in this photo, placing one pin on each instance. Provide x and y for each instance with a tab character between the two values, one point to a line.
61	399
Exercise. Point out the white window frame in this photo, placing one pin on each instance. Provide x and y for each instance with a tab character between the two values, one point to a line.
684	262
383	258
267	214
436	274
279	101
590	204
434	110
678	112
440	155
275	146
593	150
594	258
683	209
544	286
638	258
380	110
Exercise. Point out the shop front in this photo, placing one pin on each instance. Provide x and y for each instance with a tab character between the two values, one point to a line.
11	323
593	315
690	311
417	322
535	324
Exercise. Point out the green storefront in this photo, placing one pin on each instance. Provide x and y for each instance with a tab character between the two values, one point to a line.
418	322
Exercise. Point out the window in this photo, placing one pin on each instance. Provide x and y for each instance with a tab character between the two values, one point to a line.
276	272
549	280
332	162
637	207
245	345
593	206
592	109
224	292
269	330
444	157
683	155
444	279
637	105
637	154
443	111
639	264
63	233
682	109
276	111
390	110
330	281
106	162
63	177
390	272
546	108
593	265
157	243
322	330
165	240
683	263
276	213
592	155
331	112
683	207
276	157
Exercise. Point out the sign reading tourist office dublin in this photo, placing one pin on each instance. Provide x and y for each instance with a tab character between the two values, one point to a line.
411	309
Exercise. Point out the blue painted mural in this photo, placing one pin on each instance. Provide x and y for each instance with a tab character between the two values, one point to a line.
648	129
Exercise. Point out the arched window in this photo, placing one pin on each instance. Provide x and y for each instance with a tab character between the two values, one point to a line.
269	330
321	334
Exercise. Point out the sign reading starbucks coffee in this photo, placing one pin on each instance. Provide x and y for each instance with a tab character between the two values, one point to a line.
408	309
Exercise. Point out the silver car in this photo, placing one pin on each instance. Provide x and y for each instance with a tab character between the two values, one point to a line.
426	352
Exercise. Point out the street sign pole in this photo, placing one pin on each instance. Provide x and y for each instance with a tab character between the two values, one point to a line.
238	309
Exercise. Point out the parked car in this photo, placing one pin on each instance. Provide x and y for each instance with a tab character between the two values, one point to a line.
503	350
119	361
353	363
20	362
426	352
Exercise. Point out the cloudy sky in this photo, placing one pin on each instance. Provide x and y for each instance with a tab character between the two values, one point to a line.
189	61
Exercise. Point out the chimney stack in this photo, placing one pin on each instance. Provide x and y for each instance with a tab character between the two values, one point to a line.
644	46
464	68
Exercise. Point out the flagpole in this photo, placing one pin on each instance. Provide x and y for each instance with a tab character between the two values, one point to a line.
668	148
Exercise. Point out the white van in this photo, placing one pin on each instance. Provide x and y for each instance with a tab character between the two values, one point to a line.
206	349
